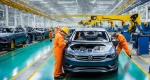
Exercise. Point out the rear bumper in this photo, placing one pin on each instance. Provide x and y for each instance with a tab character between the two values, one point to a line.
73	65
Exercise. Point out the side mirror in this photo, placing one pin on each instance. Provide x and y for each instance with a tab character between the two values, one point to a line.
113	39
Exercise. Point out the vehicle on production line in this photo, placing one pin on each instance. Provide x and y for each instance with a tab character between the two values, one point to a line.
41	33
30	34
10	37
91	51
71	30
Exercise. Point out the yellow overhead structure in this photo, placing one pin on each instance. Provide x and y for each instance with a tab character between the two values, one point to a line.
124	6
25	8
124	18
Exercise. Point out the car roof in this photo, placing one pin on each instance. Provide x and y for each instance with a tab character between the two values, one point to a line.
90	29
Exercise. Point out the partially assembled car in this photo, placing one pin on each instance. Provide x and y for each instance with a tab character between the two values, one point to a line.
10	37
41	33
90	50
30	34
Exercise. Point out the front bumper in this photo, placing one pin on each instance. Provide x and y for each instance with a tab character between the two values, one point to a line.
74	65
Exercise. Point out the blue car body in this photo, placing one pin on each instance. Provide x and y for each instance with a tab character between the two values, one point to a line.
90	56
16	34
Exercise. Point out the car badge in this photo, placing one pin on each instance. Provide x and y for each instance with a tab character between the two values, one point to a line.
90	58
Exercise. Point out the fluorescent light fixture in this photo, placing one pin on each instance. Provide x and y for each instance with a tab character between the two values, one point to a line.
65	2
115	6
100	6
51	8
36	0
105	2
43	2
93	1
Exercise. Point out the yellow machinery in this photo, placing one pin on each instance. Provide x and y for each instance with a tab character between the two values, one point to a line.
133	19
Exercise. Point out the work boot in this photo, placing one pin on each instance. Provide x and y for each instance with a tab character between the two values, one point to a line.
60	77
63	74
130	56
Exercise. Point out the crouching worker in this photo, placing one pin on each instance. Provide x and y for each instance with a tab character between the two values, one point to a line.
59	45
122	44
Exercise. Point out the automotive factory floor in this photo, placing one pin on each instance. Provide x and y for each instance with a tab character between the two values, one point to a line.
36	62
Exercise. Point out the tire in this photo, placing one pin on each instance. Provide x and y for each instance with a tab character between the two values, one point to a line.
12	45
43	37
66	72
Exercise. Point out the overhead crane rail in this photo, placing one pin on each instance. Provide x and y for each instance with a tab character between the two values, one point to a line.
24	8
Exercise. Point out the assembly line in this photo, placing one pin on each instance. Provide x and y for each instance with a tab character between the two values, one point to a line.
74	39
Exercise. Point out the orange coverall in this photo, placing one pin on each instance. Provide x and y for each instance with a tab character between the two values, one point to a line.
50	35
59	44
55	31
123	44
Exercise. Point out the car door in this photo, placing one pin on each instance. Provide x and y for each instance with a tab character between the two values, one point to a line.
46	32
16	35
22	35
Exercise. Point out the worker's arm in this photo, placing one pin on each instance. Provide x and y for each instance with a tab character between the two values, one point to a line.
120	40
61	42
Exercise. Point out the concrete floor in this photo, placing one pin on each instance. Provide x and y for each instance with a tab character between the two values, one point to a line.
36	62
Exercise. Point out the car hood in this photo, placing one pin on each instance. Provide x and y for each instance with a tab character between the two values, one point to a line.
38	31
5	34
106	50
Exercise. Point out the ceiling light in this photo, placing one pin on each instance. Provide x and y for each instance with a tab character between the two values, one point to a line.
43	2
36	0
51	8
105	2
116	6
65	2
93	1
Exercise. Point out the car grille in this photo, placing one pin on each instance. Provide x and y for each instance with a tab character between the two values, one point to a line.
90	68
90	58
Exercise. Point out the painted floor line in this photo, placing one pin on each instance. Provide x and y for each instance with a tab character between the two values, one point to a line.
145	72
141	57
25	68
66	76
39	67
14	55
17	49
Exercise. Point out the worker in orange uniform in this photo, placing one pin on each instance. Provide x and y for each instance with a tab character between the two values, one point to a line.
122	44
50	34
56	30
59	44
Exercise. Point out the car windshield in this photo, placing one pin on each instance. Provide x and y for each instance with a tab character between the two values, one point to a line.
97	36
71	31
6	30
39	29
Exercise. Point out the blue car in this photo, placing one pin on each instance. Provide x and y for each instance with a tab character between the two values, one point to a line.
41	33
90	50
10	37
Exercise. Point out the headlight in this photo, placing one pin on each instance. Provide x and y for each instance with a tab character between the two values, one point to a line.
69	55
111	55
4	39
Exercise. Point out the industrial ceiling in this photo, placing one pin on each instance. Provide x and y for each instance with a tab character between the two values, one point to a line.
73	7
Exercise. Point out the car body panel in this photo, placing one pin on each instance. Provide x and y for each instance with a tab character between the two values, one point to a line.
16	35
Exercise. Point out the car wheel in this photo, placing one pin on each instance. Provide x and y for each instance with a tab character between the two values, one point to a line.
12	44
43	37
66	72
